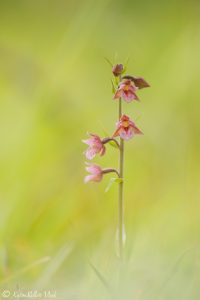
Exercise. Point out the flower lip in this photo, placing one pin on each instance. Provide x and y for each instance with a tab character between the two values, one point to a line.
126	128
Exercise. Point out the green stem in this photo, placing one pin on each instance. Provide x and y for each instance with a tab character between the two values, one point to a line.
121	185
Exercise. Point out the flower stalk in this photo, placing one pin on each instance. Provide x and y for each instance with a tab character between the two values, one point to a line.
121	190
125	89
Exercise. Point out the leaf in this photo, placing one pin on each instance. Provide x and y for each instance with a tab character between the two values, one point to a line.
113	180
118	180
113	144
108	61
117	80
124	70
113	87
126	63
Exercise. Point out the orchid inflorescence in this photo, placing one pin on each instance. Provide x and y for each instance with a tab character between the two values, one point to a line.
126	89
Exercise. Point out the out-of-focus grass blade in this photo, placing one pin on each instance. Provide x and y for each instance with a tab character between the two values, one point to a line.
54	265
173	270
101	277
26	269
113	87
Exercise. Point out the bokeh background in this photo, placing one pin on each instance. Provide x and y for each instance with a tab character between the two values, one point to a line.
56	233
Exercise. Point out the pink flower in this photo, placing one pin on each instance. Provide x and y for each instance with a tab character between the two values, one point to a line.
126	128
126	91
96	173
95	146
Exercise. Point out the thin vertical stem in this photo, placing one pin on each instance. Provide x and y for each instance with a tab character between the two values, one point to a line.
121	185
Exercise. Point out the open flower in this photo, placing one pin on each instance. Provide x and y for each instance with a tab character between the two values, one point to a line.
96	173
126	128
126	90
95	146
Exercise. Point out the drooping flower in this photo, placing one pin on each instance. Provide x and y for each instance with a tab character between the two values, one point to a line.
117	69
95	146
96	173
126	90
126	128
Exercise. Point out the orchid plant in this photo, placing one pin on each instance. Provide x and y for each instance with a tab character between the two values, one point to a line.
124	88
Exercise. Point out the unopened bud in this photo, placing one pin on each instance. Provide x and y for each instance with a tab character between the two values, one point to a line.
117	69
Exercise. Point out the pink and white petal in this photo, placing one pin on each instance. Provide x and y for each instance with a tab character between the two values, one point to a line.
126	134
89	178
88	141
90	153
127	96
131	96
93	169
136	97
133	88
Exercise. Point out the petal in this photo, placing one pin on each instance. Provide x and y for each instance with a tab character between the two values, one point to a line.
127	134
140	82
95	178
88	178
88	141
133	88
102	151
117	94
116	133
136	130
129	96
94	169
90	153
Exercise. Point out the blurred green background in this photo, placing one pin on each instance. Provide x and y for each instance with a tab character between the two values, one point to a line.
57	233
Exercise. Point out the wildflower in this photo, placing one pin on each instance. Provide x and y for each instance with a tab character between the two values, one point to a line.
117	70
96	173
95	146
126	90
126	128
